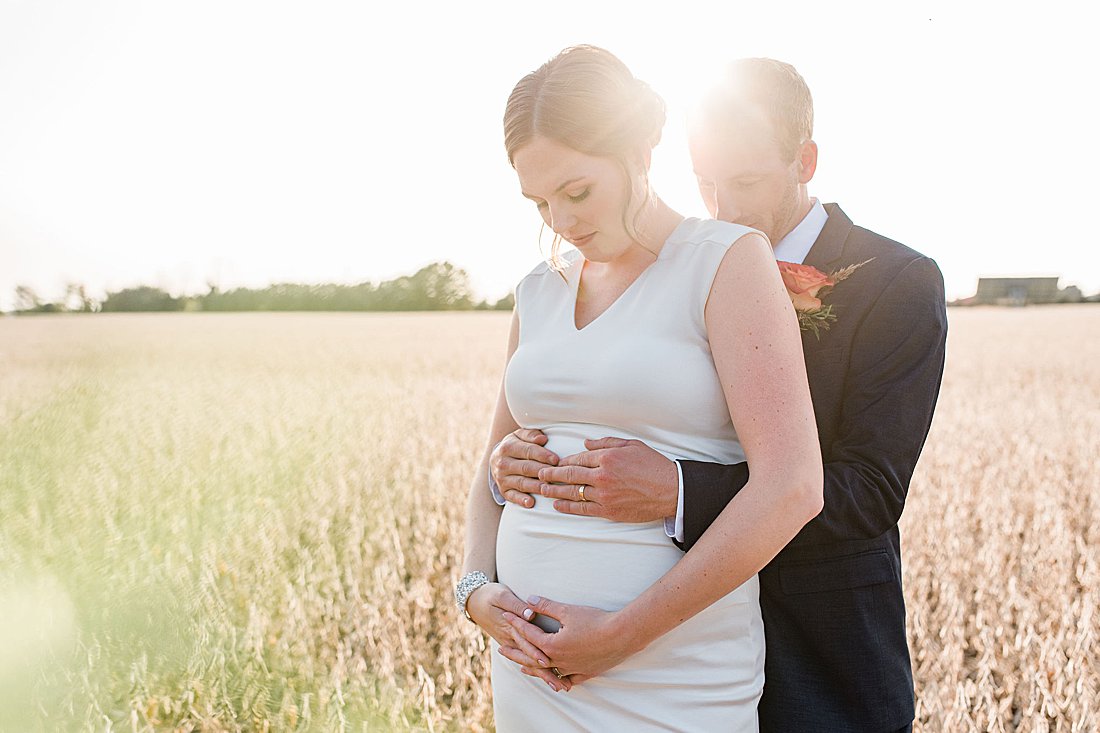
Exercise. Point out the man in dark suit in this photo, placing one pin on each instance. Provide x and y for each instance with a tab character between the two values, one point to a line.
834	614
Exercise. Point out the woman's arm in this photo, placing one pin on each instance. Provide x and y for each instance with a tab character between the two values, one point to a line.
757	350
482	513
487	604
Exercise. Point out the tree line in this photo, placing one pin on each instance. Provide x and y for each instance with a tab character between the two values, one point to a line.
438	286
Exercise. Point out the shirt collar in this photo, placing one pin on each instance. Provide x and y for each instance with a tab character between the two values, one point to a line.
796	245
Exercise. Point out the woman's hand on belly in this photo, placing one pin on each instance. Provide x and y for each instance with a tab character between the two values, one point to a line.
591	641
487	606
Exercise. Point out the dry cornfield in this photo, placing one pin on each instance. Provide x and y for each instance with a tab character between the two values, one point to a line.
254	522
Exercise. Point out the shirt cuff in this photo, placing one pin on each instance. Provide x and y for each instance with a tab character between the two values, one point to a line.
499	498
674	527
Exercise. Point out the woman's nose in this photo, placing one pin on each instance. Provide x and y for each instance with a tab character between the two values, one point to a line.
561	221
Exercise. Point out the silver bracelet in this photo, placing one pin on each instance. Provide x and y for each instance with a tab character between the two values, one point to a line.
467	585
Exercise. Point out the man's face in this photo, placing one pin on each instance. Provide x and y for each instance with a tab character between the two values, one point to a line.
743	178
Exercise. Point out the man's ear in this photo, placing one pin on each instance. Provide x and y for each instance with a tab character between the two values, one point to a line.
807	161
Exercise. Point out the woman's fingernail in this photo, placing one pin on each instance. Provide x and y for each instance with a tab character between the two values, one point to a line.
555	687
533	600
544	663
528	613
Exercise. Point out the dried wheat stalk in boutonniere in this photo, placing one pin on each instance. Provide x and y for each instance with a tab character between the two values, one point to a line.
807	286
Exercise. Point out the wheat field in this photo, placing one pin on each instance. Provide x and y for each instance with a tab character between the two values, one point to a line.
254	522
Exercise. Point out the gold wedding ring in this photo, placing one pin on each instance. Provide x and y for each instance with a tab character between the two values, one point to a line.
557	672
581	492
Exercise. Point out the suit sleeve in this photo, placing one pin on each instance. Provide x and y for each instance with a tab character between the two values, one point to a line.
891	387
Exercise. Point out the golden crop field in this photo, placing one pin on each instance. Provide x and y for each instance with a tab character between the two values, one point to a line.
254	522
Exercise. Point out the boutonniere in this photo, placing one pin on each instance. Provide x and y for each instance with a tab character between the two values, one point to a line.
807	286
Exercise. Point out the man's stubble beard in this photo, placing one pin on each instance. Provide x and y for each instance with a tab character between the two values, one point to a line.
786	215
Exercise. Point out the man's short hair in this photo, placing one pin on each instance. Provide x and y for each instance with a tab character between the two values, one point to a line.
765	87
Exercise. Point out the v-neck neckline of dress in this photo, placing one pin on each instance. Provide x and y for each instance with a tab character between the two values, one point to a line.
641	275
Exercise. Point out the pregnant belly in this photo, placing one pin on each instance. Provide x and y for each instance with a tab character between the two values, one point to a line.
579	560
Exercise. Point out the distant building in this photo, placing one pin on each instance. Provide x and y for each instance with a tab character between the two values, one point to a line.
1015	291
1072	294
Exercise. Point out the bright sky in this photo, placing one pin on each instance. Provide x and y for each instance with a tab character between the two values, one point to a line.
244	143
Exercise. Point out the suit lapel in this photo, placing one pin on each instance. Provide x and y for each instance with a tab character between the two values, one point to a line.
825	255
829	246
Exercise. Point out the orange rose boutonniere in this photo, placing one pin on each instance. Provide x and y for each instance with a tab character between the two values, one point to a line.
807	286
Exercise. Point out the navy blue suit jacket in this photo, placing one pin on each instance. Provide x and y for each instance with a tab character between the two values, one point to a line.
834	616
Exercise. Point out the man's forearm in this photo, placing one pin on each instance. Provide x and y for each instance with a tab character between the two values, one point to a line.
708	488
861	501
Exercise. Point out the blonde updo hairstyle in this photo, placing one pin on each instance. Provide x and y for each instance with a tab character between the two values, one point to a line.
586	99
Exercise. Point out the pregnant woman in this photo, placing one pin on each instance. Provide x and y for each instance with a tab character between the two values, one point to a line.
674	331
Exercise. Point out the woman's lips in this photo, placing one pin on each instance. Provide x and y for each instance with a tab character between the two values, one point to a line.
581	241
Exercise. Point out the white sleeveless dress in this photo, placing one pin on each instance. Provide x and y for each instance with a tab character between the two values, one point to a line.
642	369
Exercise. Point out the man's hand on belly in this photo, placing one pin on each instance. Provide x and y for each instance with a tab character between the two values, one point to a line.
623	480
515	465
590	641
